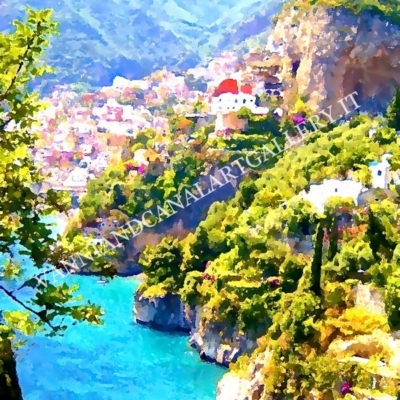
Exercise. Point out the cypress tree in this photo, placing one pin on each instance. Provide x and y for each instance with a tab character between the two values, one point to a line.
393	112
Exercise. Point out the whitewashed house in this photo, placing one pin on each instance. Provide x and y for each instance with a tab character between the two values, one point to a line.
231	97
228	99
77	178
99	112
320	193
380	172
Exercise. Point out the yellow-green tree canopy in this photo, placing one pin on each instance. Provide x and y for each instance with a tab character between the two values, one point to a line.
22	208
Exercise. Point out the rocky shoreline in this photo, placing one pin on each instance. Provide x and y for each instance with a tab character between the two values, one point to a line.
212	341
217	344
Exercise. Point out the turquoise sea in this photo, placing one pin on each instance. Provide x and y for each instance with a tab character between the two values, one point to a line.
117	361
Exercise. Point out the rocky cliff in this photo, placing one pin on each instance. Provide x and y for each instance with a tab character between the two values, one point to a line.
214	342
359	349
250	386
162	313
178	225
338	53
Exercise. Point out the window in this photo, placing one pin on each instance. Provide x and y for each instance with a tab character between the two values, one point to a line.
336	190
379	173
244	101
236	100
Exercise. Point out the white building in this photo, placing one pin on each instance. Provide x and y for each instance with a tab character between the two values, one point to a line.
99	112
77	178
380	172
320	193
231	97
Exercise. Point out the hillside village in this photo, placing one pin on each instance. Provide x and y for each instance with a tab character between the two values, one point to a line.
81	134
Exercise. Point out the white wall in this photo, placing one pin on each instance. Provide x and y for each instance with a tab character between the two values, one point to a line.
319	194
229	102
380	173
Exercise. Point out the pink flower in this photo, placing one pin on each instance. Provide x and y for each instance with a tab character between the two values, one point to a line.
346	388
297	119
142	169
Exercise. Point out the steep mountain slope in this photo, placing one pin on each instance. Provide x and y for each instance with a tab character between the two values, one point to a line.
340	52
99	40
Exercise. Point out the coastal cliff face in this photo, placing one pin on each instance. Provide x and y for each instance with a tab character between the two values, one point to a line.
214	342
339	53
162	313
178	225
250	384
248	387
217	343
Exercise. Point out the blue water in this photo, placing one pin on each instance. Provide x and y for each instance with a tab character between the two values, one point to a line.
117	361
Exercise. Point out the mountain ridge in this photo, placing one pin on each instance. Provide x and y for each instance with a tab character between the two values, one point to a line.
99	41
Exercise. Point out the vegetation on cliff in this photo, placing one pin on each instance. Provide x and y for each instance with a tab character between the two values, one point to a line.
268	263
387	8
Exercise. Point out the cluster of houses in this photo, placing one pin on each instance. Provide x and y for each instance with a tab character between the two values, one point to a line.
260	75
82	134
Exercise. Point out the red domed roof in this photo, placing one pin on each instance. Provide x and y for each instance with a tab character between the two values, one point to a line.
231	86
227	86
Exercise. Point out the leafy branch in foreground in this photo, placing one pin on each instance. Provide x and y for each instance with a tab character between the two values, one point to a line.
35	305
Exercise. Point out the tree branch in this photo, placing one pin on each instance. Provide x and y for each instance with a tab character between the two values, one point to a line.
43	319
37	277
21	64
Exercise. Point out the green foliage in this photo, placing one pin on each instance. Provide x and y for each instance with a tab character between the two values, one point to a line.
385	135
162	264
117	189
393	112
21	209
387	8
244	113
265	283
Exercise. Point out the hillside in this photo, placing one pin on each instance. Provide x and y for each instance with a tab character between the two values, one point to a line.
294	283
99	40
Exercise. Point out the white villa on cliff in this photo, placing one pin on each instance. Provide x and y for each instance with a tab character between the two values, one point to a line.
320	193
230	97
380	172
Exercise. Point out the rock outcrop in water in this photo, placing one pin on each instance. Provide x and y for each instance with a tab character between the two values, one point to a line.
162	313
214	342
338	53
